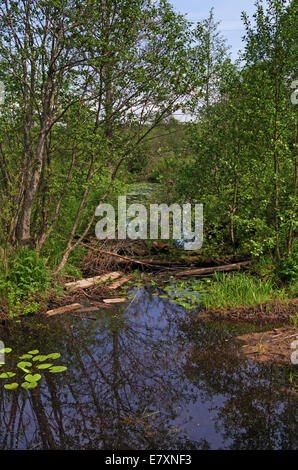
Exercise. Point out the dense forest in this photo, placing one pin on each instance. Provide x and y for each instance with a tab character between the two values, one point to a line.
101	94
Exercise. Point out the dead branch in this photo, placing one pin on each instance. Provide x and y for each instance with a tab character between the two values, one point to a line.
201	271
65	309
91	281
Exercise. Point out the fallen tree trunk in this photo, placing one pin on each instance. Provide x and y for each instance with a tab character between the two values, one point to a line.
115	301
91	281
65	309
119	283
214	269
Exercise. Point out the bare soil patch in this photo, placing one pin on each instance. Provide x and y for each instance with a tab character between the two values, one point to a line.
269	312
276	346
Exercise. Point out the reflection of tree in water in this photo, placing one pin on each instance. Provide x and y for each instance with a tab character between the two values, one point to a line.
122	389
256	413
133	375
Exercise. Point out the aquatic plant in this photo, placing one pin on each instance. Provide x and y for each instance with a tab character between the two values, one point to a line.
260	345
187	294
31	365
222	291
293	379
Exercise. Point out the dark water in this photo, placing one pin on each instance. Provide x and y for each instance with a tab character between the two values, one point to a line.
145	376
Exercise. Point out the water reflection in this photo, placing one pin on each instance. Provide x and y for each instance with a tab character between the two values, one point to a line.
145	377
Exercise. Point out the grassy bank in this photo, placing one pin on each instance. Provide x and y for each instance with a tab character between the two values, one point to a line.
230	291
237	297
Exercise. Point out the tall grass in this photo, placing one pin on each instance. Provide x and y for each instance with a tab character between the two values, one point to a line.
226	290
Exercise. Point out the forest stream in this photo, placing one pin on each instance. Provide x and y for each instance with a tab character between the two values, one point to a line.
145	375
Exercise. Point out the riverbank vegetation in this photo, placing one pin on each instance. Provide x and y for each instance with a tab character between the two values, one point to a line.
94	95
240	289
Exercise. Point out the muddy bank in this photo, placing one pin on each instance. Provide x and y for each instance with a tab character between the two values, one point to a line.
270	312
277	346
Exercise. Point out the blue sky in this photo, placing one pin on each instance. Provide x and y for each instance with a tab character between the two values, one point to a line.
226	11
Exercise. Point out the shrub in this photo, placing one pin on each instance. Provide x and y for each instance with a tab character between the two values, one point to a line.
287	270
25	282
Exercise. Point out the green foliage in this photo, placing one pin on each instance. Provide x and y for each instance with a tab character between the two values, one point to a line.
223	291
26	280
30	372
5	350
228	291
287	270
240	155
294	320
292	290
187	294
264	267
73	148
27	271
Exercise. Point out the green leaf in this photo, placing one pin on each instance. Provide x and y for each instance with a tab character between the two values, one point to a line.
29	385
7	375
44	366
12	386
53	356
24	365
32	377
5	350
25	356
39	358
35	351
57	369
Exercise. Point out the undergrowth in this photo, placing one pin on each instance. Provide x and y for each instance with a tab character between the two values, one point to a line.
24	283
240	289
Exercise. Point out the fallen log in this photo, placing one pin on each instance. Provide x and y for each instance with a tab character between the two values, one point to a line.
91	281
115	301
119	283
65	309
211	270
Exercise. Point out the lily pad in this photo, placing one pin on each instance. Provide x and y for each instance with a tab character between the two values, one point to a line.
5	350
29	385
53	356
35	351
12	386
39	358
25	356
44	366
32	377
24	366
7	375
56	369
